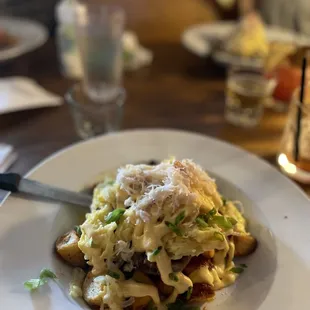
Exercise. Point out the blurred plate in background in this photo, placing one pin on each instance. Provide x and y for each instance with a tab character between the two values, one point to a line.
200	39
23	36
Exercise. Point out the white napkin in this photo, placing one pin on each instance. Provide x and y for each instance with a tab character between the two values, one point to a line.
135	55
21	93
7	157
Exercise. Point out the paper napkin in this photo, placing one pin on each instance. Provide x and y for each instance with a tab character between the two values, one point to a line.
21	93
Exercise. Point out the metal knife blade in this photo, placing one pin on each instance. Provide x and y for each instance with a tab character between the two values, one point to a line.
14	183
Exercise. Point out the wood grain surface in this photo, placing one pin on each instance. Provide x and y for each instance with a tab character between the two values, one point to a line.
178	90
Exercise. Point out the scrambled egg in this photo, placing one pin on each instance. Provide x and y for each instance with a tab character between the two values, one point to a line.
166	211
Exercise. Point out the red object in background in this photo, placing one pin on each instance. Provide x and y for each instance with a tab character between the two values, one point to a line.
288	79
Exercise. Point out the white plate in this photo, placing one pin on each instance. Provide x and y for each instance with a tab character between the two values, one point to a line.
29	35
278	273
198	38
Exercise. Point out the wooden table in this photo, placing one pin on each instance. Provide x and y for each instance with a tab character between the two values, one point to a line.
179	90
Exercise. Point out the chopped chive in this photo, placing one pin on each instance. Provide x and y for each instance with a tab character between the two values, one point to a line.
224	201
34	284
179	218
113	274
237	270
189	293
156	251
201	222
232	220
114	216
221	221
174	228
212	212
218	236
243	266
173	277
78	230
93	244
47	274
151	306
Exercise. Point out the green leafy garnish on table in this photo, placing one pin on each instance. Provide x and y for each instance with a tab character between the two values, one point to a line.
34	284
114	216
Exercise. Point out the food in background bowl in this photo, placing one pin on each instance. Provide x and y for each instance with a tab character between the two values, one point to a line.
249	39
156	237
6	40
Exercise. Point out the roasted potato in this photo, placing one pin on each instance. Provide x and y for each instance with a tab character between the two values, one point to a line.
244	245
141	303
164	288
91	290
202	292
67	248
195	263
140	277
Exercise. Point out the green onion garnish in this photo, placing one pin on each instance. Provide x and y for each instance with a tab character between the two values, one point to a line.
201	222
47	274
179	218
237	270
78	230
173	277
243	266
174	228
180	305
189	293
156	251
218	236
211	212
113	274
224	201
34	284
114	216
232	220
151	306
221	221
92	243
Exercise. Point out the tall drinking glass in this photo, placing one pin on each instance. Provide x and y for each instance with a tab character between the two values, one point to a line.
99	34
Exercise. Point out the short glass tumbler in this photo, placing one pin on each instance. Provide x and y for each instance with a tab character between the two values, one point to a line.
92	118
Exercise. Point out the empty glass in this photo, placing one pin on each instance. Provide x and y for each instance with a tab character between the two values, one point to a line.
92	118
300	169
246	91
99	35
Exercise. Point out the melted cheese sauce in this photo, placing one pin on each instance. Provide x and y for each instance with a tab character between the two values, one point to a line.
151	197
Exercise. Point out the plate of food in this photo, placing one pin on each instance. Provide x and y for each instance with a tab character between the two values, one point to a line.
248	42
212	227
19	36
